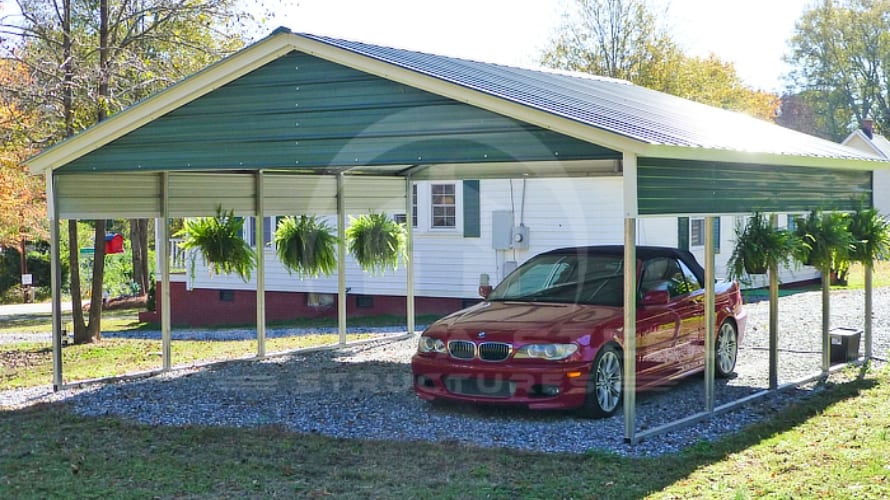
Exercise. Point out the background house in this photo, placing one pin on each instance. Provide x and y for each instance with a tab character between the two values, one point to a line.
866	140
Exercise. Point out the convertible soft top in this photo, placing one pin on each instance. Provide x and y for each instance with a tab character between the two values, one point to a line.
643	253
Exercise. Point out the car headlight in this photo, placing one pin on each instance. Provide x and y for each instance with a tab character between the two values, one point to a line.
550	352
430	344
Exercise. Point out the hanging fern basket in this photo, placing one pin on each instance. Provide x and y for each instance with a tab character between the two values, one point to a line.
376	242
218	240
306	246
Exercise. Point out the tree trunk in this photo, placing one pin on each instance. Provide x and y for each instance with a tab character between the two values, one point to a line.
94	328
80	329
139	245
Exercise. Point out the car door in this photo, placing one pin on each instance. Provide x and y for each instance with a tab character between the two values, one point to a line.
667	326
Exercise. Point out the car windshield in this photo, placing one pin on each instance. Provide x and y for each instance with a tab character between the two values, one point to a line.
568	279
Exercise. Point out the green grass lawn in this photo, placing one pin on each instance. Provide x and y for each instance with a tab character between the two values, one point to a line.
836	444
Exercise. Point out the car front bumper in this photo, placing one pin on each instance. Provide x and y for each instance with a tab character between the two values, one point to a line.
537	386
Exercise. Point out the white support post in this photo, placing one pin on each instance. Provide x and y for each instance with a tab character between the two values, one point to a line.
341	258
55	278
163	246
409	252
869	273
710	317
773	326
773	319
260	268
630	329
631	211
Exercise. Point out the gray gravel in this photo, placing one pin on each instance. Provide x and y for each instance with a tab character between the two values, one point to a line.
364	392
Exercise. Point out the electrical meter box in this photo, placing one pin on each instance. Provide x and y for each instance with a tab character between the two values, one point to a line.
502	229
520	237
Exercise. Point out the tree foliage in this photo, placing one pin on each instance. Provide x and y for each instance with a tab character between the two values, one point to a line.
840	55
623	39
87	59
22	207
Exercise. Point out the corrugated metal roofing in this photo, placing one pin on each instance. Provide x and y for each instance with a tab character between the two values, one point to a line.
615	106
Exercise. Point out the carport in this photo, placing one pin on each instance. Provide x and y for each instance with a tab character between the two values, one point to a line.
299	123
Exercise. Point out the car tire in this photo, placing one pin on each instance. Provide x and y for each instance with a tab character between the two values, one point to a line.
605	387
726	349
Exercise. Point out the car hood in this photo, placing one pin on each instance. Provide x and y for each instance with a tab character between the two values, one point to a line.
527	322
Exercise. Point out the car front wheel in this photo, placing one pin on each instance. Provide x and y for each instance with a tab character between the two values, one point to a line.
606	384
726	349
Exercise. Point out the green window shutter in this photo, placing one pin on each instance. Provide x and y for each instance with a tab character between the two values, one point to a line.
472	216
683	233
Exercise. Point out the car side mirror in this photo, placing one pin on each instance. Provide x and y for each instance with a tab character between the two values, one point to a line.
656	298
484	291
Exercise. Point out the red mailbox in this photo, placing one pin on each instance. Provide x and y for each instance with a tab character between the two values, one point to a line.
114	243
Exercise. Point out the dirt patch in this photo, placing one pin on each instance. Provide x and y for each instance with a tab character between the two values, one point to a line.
23	360
122	303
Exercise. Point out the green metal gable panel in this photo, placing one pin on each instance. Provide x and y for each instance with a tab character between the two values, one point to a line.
668	186
302	112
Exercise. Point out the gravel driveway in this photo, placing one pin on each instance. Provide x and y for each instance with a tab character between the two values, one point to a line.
365	392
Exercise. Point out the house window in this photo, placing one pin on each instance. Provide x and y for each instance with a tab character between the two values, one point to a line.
791	222
443	207
696	232
249	231
414	205
401	218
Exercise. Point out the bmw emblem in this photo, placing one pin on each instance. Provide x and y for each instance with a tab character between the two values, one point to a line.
481	335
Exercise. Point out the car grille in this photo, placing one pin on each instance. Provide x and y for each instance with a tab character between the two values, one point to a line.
486	351
494	351
462	349
486	388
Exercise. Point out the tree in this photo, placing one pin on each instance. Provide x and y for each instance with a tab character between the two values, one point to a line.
91	58
623	39
840	55
22	197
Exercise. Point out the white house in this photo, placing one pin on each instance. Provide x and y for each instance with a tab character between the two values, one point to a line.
449	260
866	140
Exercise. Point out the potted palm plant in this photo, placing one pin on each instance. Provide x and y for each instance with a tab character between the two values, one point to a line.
306	245
759	247
376	242
218	240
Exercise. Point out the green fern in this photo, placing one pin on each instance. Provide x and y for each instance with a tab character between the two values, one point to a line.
306	246
376	242
826	242
218	241
871	235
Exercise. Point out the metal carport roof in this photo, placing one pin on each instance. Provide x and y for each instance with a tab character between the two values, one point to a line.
296	109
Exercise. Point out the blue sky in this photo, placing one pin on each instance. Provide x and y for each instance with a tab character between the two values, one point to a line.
751	33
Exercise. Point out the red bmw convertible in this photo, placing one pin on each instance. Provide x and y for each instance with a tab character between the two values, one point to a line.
549	336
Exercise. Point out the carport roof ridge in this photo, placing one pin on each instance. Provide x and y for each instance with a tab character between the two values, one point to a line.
612	113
